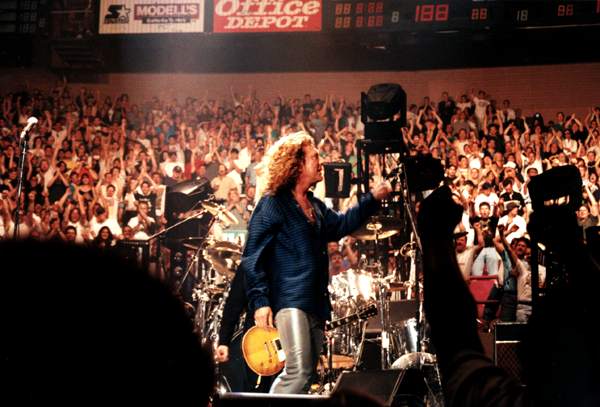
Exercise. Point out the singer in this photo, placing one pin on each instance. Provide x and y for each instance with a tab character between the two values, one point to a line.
285	259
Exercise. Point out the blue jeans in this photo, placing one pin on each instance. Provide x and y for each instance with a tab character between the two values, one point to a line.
488	257
301	338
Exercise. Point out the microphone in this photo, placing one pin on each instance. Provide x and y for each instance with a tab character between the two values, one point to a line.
30	123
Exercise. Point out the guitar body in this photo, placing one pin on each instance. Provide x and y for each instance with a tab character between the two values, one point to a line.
262	351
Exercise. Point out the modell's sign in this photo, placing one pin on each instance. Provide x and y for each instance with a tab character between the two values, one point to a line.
235	16
151	16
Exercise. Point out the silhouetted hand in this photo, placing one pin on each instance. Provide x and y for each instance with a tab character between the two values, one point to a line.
222	354
438	215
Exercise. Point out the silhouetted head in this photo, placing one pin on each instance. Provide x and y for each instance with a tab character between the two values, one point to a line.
80	326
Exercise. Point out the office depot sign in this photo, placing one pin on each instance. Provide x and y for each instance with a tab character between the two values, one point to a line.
236	16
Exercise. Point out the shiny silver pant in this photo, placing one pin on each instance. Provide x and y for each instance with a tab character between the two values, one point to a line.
301	338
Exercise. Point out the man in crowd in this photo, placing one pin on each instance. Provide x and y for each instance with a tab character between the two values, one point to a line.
143	225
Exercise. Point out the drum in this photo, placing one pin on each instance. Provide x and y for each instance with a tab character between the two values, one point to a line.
343	346
339	293
350	290
405	336
361	286
343	342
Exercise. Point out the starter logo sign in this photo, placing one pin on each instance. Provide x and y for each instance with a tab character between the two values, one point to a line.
117	14
151	16
236	16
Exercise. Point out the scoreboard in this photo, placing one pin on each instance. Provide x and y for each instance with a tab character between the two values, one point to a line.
454	15
21	16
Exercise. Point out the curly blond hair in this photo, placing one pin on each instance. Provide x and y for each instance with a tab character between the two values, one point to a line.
286	159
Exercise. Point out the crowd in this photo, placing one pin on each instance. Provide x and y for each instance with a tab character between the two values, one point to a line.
97	166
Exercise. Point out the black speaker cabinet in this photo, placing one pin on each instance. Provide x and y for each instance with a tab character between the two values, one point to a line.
507	339
269	400
395	387
399	311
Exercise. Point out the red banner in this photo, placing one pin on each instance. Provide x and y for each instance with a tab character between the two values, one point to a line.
239	16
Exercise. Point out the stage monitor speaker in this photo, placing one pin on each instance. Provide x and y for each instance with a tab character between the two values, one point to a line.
269	400
507	339
394	387
337	179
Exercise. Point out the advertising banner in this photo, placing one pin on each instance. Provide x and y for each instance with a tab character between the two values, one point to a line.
151	16
240	16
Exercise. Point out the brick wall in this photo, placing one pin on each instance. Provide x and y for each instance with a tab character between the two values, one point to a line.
547	89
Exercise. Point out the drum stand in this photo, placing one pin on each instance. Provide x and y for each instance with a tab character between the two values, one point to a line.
361	344
431	376
384	311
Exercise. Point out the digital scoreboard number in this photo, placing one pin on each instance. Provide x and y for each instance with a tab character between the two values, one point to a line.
445	15
456	15
359	14
20	16
552	13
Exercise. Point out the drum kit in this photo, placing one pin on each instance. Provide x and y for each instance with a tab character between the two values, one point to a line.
398	331
213	262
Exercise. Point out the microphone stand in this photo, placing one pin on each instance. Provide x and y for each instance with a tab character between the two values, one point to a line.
23	147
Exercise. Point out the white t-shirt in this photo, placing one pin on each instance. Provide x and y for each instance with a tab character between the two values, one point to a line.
244	159
492	199
480	107
168	167
570	146
519	221
80	229
524	279
112	224
465	261
140	234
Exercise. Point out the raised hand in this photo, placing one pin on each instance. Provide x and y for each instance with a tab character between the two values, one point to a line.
438	215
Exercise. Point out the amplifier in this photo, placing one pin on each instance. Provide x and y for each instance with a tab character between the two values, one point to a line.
507	340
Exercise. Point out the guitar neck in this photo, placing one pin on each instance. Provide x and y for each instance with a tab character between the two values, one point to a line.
361	314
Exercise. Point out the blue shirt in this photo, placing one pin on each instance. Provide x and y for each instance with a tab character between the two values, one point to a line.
285	259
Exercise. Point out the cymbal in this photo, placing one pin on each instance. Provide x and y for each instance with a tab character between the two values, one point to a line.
378	227
224	257
192	243
215	289
220	212
398	286
225	246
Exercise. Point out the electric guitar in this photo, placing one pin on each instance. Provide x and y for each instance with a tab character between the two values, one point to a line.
262	348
